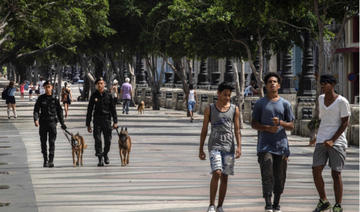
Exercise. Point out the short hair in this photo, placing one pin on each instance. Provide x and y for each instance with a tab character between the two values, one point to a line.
272	74
327	78
127	79
191	86
225	85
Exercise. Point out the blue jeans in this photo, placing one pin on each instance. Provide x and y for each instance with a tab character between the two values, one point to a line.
126	104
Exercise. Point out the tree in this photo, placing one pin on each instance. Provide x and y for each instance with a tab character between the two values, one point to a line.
32	28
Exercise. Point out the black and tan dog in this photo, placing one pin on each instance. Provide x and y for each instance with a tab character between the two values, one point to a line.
78	145
141	107
124	146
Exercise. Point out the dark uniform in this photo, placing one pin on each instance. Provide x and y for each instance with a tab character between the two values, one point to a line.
48	111
103	111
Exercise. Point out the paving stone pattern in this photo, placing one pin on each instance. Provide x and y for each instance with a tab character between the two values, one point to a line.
164	174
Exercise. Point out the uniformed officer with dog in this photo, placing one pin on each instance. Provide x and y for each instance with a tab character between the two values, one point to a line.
47	112
102	108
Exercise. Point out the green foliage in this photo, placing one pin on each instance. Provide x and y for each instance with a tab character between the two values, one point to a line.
37	24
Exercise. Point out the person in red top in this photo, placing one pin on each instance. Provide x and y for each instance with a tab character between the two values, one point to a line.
22	89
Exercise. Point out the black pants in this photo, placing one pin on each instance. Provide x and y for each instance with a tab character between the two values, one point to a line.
104	128
273	173
47	129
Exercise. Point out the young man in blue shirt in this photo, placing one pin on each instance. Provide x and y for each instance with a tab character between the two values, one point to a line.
272	115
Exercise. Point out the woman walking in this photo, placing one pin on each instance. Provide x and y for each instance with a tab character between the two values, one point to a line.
10	99
66	98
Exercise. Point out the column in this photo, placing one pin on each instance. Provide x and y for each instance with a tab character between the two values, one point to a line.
215	73
203	79
288	78
307	84
229	73
140	72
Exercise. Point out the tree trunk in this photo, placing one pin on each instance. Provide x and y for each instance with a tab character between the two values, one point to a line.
239	91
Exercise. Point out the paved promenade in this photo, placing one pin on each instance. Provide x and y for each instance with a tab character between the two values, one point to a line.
164	174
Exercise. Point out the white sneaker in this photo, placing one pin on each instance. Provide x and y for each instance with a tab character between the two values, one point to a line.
211	208
219	209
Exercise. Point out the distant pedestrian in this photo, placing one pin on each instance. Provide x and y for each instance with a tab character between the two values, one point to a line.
115	91
222	153
191	99
251	90
66	98
10	99
31	91
22	90
331	141
271	116
41	89
126	95
47	112
102	107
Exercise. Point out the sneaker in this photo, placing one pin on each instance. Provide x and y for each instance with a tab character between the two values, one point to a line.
276	208
211	208
337	208
322	206
268	208
219	209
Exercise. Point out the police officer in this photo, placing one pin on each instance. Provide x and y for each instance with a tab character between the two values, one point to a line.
47	112
101	102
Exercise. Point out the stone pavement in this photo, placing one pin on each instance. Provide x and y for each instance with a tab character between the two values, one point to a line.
164	174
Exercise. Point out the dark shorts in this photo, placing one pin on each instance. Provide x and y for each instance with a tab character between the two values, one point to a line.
10	100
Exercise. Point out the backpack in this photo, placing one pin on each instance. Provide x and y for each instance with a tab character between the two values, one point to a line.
5	93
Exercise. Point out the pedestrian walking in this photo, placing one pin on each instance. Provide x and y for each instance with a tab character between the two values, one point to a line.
224	119
252	89
22	90
47	112
31	91
115	91
102	107
271	116
191	99
10	99
66	98
126	95
331	142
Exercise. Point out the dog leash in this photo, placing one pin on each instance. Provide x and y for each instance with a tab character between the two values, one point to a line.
117	131
67	134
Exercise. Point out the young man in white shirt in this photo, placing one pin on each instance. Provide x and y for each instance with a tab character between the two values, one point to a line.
330	142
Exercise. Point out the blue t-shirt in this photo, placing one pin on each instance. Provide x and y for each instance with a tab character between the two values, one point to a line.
263	112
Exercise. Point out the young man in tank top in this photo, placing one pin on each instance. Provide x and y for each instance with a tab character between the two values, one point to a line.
272	115
224	118
331	141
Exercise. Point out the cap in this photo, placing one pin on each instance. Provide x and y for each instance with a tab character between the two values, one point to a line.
115	81
99	79
47	82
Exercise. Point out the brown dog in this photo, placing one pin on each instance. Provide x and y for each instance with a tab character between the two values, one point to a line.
141	107
78	145
124	146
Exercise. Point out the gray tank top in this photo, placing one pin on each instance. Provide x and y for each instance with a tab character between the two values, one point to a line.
222	136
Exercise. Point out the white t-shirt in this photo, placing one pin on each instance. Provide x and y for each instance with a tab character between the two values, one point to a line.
191	95
331	120
41	87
